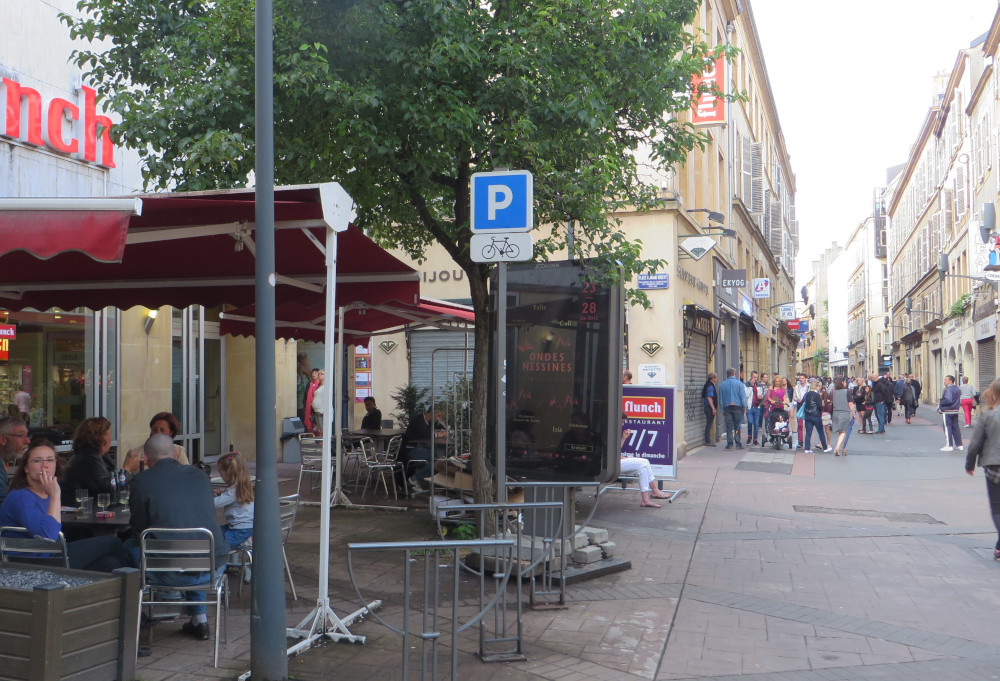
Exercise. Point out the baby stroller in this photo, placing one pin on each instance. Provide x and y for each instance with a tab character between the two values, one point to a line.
778	428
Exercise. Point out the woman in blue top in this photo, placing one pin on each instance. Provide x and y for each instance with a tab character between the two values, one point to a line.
34	504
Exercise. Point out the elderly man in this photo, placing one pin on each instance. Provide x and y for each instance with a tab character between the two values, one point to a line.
170	494
13	443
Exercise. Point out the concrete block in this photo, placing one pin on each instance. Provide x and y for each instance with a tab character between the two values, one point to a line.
607	548
588	554
595	535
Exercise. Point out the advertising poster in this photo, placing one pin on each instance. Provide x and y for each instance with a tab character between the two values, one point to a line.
649	414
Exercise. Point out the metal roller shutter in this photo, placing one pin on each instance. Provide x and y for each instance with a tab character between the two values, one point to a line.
454	357
695	374
987	351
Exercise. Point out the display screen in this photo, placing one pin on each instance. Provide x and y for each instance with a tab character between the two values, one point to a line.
563	392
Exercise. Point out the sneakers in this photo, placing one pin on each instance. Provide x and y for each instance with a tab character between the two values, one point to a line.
947	449
198	631
961	448
247	574
809	451
415	484
828	450
755	442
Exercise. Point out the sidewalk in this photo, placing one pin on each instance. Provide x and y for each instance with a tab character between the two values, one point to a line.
877	565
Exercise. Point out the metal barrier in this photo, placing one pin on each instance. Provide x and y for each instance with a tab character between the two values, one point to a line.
434	600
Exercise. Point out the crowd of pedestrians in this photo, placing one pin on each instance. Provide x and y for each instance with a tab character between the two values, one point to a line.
828	407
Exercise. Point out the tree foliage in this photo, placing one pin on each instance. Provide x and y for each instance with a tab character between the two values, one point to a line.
402	100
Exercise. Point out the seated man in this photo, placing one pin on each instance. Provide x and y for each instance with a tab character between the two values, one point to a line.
373	415
170	494
419	437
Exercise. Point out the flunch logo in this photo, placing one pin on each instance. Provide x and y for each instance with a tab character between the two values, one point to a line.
8	331
645	407
66	129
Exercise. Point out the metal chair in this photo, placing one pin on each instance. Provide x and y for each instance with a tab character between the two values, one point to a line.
288	508
311	449
188	550
387	465
368	458
34	550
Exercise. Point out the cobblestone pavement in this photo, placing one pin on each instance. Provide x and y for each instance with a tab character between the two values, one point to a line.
799	567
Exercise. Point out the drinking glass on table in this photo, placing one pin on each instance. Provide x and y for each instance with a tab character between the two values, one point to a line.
103	500
82	494
123	497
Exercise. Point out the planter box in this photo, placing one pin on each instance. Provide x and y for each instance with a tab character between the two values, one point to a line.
67	624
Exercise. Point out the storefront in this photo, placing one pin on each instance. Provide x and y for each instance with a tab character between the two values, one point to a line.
985	319
698	343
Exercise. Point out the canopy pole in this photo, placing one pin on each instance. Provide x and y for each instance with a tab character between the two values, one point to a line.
323	622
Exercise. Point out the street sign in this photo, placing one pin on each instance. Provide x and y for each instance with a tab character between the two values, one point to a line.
761	288
803	325
651	281
792	324
787	312
502	201
502	247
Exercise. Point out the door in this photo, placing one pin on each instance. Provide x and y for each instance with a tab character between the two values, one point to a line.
198	383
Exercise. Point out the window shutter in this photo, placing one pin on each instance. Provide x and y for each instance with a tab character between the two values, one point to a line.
961	203
948	216
777	231
746	172
757	180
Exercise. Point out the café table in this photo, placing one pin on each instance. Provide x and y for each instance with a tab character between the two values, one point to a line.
380	436
70	518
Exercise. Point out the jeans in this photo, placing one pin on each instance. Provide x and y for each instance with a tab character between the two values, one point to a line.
234	536
709	418
817	423
880	415
753	423
99	554
421	471
734	415
993	492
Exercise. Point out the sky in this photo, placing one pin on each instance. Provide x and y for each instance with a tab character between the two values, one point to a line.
852	82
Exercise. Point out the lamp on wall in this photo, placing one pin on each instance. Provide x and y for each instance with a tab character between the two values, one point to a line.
147	323
713	216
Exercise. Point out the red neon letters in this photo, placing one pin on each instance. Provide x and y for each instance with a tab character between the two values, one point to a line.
23	121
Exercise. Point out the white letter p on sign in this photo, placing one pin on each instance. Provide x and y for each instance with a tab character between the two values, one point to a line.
500	197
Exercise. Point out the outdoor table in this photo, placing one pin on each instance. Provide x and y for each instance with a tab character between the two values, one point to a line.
98	526
379	436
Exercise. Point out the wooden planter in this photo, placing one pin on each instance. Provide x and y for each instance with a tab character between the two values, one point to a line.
85	631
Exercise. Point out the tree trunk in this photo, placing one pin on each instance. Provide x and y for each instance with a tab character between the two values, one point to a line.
482	484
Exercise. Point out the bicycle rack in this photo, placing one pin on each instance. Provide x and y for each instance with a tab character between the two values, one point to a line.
434	611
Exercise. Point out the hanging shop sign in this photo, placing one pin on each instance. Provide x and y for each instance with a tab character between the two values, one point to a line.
761	288
58	124
709	108
8	332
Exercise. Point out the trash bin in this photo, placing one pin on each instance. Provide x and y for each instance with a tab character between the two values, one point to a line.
291	427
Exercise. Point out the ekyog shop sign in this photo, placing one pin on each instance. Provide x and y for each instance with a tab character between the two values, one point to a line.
58	124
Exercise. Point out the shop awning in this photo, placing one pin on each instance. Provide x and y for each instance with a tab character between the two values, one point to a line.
46	227
361	319
194	248
761	329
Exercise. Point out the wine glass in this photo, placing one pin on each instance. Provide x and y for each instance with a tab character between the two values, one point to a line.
103	500
81	495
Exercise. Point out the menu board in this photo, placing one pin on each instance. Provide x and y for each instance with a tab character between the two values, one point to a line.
563	392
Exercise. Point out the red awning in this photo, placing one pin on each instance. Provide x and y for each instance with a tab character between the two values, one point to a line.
361	319
198	248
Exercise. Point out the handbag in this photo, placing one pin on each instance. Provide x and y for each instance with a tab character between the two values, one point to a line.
801	413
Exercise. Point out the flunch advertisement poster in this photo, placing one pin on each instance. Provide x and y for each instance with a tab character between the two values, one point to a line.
649	416
8	332
708	107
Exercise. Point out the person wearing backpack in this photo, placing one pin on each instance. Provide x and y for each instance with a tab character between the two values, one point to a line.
812	409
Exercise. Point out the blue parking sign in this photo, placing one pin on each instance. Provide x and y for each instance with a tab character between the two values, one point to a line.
502	201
